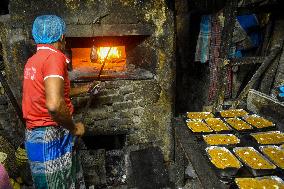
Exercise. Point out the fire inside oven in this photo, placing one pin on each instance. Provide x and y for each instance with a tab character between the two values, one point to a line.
109	58
97	58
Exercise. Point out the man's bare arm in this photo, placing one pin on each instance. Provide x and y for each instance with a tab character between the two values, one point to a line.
84	89
79	90
55	103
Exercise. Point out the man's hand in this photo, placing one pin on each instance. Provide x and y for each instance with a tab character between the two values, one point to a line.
79	129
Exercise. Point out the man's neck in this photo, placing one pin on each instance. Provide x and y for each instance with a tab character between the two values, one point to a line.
56	45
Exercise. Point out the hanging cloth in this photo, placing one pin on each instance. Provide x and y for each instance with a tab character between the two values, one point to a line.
203	42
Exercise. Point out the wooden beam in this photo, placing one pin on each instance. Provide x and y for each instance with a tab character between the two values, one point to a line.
108	30
230	12
267	61
246	60
266	106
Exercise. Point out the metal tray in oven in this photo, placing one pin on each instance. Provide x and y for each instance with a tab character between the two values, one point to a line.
226	174
256	172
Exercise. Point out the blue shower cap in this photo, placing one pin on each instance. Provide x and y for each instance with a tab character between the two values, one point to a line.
48	29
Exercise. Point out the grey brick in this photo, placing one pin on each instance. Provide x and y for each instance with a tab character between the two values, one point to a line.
110	99
130	96
126	90
122	105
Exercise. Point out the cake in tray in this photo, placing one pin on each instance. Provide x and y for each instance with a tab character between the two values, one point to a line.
269	137
221	139
258	122
238	124
233	113
253	158
222	158
199	115
198	126
268	182
275	154
217	124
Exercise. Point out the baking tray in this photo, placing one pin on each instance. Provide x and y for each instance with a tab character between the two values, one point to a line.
272	143
225	174
243	131
220	131
203	115
261	148
221	145
239	113
268	128
278	179
198	133
256	172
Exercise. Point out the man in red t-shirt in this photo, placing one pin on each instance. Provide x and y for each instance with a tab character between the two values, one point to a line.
47	109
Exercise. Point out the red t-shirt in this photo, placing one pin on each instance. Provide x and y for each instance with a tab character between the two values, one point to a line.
47	62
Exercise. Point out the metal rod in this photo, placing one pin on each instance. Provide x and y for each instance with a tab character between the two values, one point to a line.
91	95
12	98
101	70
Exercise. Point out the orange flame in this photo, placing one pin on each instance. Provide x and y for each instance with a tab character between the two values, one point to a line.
103	53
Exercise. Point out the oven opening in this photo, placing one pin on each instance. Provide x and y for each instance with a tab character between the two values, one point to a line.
107	142
109	57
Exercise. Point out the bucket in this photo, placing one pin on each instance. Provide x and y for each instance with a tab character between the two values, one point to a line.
21	156
23	165
3	157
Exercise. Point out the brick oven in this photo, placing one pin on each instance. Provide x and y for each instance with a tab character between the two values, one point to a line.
133	58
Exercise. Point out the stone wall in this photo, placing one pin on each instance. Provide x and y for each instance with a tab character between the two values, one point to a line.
143	108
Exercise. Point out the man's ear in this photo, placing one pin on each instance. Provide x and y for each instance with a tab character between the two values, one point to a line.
62	37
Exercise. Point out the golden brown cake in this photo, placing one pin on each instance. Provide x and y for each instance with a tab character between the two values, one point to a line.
199	115
222	158
238	124
233	113
258	122
275	154
269	137
271	182
253	158
198	126
221	139
217	124
282	146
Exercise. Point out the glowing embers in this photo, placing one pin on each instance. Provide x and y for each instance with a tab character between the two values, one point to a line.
113	58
